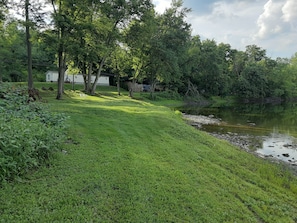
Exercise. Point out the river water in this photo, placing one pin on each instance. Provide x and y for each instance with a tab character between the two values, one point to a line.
272	127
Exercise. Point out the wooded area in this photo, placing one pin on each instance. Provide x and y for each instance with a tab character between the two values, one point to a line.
131	40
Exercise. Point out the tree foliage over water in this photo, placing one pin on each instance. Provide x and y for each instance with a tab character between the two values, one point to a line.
156	49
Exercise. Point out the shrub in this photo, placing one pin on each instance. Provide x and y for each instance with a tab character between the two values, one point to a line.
168	94
29	133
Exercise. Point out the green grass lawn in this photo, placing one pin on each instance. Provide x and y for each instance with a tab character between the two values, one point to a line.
134	161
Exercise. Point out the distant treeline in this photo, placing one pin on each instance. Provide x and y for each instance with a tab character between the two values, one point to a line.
133	41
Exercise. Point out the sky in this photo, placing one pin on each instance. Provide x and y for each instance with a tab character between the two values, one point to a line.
269	24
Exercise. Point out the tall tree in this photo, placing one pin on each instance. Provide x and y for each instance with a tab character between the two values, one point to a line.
60	21
251	70
64	16
138	37
119	65
238	62
255	53
2	53
169	46
29	47
225	58
118	14
191	69
102	24
13	52
31	12
289	77
210	74
3	11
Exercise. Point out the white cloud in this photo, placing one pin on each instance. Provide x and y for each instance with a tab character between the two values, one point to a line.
228	22
289	11
270	24
221	10
277	29
161	5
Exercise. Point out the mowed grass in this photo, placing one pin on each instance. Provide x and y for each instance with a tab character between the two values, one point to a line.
134	161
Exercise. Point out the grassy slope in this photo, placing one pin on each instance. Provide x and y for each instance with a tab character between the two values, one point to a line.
132	161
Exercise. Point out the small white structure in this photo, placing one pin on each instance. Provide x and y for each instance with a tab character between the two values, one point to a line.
52	76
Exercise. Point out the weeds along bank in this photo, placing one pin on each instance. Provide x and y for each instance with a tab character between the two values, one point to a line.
29	133
135	161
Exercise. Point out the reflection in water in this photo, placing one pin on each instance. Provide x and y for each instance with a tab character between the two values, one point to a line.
279	146
276	124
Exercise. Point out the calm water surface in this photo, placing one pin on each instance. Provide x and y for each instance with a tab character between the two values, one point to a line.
277	124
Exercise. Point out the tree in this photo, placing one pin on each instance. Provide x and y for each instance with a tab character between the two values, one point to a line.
32	17
238	63
251	69
118	64
253	82
3	52
102	26
21	55
191	69
13	52
29	47
209	82
225	58
168	47
119	14
289	77
138	37
255	53
63	19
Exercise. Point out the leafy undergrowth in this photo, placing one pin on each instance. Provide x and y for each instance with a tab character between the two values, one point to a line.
132	161
29	133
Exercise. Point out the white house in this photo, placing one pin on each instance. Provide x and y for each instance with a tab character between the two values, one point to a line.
52	76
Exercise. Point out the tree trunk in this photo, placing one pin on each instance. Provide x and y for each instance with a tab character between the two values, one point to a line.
98	75
62	69
60	78
85	82
61	54
29	47
118	77
118	84
131	89
152	90
83	70
136	73
89	78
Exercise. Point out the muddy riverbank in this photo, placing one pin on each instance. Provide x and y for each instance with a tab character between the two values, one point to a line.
249	143
245	142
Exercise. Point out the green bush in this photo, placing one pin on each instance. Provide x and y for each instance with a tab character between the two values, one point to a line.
168	94
29	133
